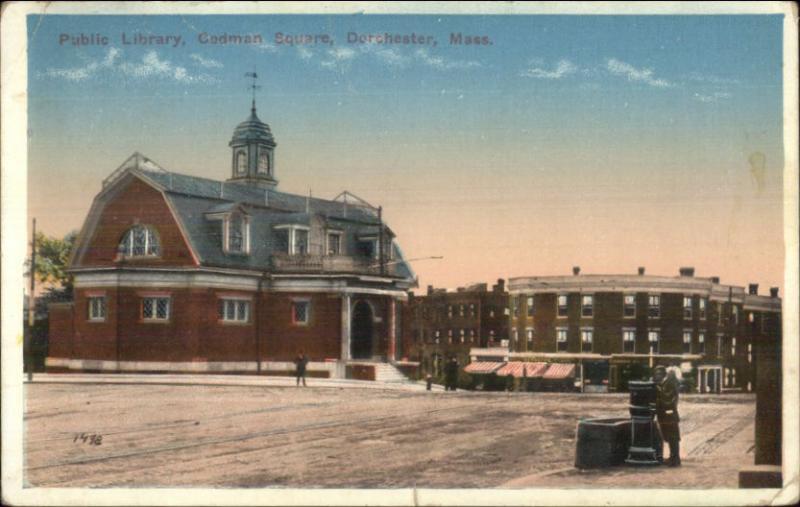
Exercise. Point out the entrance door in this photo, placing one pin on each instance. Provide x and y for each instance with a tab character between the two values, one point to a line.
361	331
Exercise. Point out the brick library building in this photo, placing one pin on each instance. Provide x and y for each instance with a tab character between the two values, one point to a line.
608	329
180	273
442	324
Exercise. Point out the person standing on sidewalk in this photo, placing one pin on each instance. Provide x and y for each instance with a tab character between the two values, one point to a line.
667	411
300	363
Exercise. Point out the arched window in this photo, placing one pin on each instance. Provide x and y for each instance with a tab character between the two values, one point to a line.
140	241
263	162
241	162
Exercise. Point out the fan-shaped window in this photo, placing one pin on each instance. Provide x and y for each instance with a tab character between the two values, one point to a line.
140	241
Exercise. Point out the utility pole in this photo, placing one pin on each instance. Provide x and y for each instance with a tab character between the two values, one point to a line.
380	241
31	307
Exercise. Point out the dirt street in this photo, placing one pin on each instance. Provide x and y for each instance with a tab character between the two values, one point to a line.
240	436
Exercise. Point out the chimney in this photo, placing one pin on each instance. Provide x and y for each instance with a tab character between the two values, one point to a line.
689	271
714	279
500	286
773	292
641	270
430	289
752	288
576	270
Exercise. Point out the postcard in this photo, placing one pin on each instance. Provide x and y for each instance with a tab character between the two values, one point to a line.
380	253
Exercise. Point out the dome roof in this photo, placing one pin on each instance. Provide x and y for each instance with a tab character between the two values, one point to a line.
252	130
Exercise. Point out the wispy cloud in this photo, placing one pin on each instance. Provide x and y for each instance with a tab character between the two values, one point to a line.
338	58
151	65
711	79
562	69
86	71
711	97
304	53
643	75
208	63
438	62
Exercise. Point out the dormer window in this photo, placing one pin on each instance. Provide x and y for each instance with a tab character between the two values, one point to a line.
334	240
237	233
292	239
140	241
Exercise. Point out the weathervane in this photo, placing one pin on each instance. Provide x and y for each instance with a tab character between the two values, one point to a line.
253	86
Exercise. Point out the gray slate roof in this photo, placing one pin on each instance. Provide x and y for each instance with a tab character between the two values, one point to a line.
194	198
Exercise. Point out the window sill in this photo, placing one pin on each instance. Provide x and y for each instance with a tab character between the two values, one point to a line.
154	321
223	322
236	254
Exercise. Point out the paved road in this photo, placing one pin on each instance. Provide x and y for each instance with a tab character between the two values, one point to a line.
267	435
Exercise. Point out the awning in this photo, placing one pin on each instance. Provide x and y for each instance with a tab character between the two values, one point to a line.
558	371
536	369
483	367
514	368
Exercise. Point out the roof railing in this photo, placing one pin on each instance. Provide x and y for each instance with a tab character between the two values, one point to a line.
135	161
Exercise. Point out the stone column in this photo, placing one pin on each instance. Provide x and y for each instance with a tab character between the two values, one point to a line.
345	339
391	353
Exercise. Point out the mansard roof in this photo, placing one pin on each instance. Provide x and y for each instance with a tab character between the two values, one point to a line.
194	199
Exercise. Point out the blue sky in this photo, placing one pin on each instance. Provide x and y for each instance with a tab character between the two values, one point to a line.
623	136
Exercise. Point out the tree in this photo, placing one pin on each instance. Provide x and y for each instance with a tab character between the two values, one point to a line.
52	255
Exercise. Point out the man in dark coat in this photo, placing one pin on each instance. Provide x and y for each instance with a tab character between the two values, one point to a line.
667	411
300	363
451	374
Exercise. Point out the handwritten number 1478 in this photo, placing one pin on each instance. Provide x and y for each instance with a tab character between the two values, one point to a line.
88	438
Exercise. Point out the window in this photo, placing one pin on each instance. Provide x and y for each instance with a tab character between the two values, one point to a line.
140	241
263	161
460	310
291	239
735	310
97	308
300	312
587	337
334	243
367	248
749	352
562	305
449	311
701	343
516	302
514	335
587	306
155	308
472	336
687	342
300	241
654	337
471	309
719	313
702	308
529	334
491	313
687	307
449	336
241	162
629	306
234	310
719	345
654	306
733	346
461	335
237	237
629	341
436	335
561	339
529	307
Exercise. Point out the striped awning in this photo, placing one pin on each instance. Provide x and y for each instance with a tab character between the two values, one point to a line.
513	368
558	371
483	367
536	369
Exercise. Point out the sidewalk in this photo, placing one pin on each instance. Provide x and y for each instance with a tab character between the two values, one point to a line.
223	380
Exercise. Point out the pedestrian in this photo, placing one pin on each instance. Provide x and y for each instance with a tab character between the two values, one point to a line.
667	387
428	381
451	374
300	363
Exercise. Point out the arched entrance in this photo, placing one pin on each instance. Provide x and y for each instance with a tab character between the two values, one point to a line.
361	331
